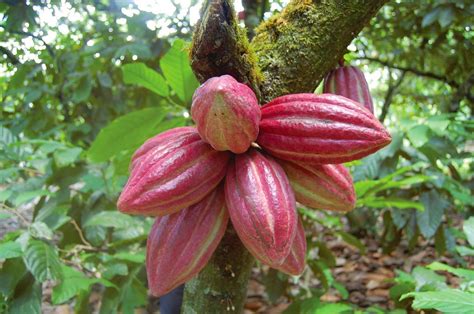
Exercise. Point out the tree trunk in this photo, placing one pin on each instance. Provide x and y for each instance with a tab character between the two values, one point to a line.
294	50
221	287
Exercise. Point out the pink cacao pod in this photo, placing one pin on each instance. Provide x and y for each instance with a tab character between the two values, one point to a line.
181	244
294	263
321	186
261	206
349	81
320	129
172	171
226	114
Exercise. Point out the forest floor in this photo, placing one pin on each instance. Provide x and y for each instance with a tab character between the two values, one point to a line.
367	277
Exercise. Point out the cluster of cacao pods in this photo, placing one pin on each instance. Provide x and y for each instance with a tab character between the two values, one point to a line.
249	164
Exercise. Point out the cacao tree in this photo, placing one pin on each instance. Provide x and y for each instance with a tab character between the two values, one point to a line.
290	53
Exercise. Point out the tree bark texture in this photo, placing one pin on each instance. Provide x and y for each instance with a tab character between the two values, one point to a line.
291	53
296	48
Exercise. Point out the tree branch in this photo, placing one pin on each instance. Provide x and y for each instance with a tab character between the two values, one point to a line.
392	87
10	56
412	70
221	47
297	47
28	34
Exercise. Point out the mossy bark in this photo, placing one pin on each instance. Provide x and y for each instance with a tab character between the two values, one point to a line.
293	51
297	47
221	287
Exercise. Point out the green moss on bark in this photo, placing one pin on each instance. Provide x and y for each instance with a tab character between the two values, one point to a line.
220	46
296	48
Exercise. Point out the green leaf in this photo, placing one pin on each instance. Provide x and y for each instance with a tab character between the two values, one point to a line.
42	261
275	284
460	272
430	219
25	197
67	156
428	279
446	17
431	17
83	90
446	301
125	133
465	251
468	228
41	230
28	300
419	135
72	284
5	194
33	95
134	257
10	250
142	51
177	71
350	239
141	75
332	308
10	274
112	219
134	295
384	202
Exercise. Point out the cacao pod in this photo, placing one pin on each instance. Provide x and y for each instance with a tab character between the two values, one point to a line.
350	82
226	114
321	186
181	244
261	206
170	172
294	263
321	129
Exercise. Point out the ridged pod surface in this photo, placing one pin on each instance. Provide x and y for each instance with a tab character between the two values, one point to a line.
262	206
294	263
350	82
172	171
321	186
181	244
320	129
226	114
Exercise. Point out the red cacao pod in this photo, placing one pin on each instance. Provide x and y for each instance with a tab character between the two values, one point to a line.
350	82
322	129
261	205
170	172
181	244
321	186
226	114
294	263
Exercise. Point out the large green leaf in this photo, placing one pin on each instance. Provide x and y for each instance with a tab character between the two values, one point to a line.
42	261
466	273
429	220
113	219
177	71
125	133
446	301
74	282
10	250
10	274
141	75
384	202
468	228
28	300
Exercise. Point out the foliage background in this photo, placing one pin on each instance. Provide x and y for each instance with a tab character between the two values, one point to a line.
84	83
